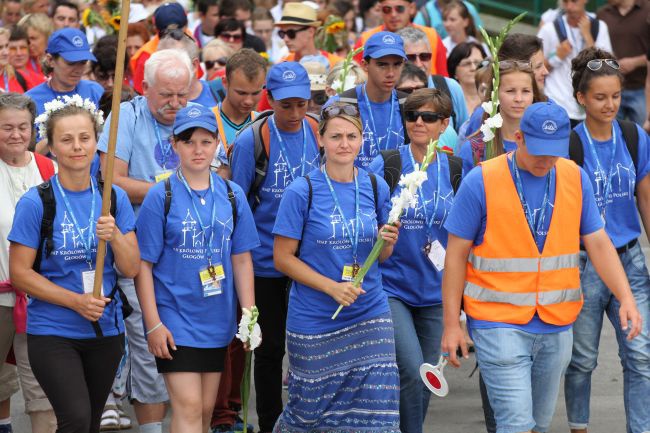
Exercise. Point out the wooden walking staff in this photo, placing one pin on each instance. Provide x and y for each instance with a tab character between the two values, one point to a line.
112	138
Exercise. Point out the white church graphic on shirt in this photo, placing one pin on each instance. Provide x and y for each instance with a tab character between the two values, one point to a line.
191	230
71	237
340	229
194	237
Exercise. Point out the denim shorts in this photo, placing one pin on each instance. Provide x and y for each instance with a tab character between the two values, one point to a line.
522	372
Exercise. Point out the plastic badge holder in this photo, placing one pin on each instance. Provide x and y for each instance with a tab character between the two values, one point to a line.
433	377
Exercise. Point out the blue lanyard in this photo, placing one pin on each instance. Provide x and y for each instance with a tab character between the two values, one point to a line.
429	220
208	252
88	242
535	224
393	97
606	178
165	149
6	78
283	149
353	236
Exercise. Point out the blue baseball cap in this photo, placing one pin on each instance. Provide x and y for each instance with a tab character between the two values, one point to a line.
288	80
195	116
383	44
546	128
71	44
169	16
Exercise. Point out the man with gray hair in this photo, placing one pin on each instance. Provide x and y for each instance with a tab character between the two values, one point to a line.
144	156
418	52
200	92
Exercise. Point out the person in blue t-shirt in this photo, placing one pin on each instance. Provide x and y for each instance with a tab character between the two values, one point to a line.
68	54
430	15
288	146
69	330
325	228
517	91
377	100
616	177
524	291
412	276
196	266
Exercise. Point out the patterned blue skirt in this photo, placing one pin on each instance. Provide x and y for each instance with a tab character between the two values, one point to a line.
343	381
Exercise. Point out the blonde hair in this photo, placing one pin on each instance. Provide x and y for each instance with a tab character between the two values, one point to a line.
8	68
39	22
215	44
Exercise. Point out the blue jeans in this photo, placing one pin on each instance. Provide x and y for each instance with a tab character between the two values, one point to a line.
418	332
633	106
635	354
522	372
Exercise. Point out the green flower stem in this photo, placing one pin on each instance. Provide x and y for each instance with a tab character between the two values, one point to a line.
245	388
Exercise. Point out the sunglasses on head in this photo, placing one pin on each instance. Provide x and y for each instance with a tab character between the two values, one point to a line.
231	37
176	34
596	64
337	109
291	33
221	61
409	90
424	57
400	9
427	116
506	65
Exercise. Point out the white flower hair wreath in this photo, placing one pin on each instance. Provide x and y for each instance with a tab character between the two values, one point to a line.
64	101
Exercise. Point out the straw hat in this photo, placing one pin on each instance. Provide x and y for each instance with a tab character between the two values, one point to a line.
298	14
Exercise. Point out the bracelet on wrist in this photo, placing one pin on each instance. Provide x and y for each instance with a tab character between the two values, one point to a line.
154	328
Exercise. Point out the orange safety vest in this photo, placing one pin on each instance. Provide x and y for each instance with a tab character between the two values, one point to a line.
508	280
333	59
222	133
432	35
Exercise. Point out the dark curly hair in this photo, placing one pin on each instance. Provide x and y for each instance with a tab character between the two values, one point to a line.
581	75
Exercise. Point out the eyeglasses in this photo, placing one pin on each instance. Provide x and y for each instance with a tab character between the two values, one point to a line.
400	9
424	57
14	50
221	61
596	64
291	33
474	63
427	116
231	37
338	109
409	90
319	97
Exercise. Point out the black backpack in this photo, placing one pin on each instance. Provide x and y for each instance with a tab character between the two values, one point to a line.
630	135
350	97
440	83
46	245
231	199
393	169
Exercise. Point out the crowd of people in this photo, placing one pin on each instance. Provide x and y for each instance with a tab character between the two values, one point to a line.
260	149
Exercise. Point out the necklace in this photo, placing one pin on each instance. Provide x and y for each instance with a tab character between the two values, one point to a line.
202	197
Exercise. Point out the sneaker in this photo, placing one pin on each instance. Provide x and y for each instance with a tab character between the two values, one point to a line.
5	428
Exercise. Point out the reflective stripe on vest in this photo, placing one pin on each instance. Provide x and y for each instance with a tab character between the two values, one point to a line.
522	299
524	265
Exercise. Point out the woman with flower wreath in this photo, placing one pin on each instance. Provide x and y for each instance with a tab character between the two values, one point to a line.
517	91
342	372
412	276
74	341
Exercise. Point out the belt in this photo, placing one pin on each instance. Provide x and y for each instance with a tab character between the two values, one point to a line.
620	250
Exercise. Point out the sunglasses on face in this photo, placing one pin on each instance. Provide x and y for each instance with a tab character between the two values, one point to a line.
409	90
221	61
427	116
424	57
14	50
319	97
337	109
231	37
291	33
387	10
596	64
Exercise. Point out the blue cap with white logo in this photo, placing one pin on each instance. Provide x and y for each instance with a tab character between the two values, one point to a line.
288	80
71	44
383	44
546	128
195	116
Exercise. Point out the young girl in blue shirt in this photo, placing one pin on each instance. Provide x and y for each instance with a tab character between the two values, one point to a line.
75	341
196	231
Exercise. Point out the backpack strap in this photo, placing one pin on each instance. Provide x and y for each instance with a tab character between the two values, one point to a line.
576	151
595	27
373	183
46	244
233	204
440	83
392	167
168	197
631	137
45	166
426	16
455	171
217	90
21	80
560	29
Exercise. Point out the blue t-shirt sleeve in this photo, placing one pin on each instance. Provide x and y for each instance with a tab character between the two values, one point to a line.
464	152
292	213
125	217
643	156
151	223
590	220
26	229
458	101
245	236
243	160
468	215
383	201
124	143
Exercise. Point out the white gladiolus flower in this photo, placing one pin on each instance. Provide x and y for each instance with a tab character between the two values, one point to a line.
350	83
413	180
495	121
487	132
336	85
488	106
256	337
249	330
